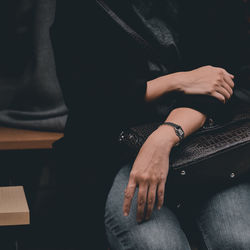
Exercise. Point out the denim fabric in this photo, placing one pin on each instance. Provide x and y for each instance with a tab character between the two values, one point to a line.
161	232
223	220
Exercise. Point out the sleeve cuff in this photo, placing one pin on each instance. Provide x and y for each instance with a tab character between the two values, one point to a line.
207	105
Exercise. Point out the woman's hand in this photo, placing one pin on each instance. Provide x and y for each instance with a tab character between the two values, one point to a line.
207	80
150	172
151	166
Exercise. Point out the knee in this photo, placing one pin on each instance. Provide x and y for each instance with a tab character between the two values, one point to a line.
228	238
114	202
159	237
146	236
159	233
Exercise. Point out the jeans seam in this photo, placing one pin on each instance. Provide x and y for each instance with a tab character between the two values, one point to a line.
204	236
115	235
118	240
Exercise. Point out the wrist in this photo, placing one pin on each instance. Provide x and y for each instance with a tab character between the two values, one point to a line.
170	82
181	80
165	84
166	137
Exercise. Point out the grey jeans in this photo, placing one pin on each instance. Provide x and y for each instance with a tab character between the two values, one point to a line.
223	221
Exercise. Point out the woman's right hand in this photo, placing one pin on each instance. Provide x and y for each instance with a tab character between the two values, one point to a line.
207	80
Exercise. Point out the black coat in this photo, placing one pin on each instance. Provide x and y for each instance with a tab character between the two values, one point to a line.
103	71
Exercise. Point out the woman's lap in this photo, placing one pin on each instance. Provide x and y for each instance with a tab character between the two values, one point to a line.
223	219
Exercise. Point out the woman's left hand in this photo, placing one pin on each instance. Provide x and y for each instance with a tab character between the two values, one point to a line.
149	172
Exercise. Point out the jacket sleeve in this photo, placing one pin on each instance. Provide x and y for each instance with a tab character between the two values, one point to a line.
207	105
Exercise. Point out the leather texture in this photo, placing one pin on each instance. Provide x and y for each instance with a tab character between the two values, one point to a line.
219	151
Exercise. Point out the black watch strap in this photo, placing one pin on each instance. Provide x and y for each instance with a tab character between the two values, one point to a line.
177	128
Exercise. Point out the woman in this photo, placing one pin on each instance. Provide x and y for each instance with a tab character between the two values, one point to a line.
110	82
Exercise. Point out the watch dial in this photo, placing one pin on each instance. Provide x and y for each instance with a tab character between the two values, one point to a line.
180	132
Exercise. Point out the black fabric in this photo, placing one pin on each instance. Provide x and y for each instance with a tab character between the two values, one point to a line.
215	34
30	96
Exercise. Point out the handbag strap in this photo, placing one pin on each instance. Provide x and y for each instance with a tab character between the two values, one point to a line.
242	94
151	51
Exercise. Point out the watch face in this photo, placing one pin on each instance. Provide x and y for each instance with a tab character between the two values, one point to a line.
180	132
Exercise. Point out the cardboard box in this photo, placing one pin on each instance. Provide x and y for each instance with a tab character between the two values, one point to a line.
14	209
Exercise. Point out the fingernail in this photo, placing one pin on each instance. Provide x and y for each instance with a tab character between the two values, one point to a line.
159	207
125	214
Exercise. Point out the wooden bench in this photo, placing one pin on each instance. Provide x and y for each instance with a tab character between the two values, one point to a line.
22	139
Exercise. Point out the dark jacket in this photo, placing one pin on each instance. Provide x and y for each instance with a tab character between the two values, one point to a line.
103	72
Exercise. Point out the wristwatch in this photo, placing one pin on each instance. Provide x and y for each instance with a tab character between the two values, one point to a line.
178	129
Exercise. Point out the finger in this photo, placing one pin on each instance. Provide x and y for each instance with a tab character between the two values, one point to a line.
151	200
227	88
223	92
141	201
160	194
128	196
227	73
229	81
219	96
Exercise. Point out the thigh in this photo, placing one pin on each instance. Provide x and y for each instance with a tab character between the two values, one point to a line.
224	219
162	231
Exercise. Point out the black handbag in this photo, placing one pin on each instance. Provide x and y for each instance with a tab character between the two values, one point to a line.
217	153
